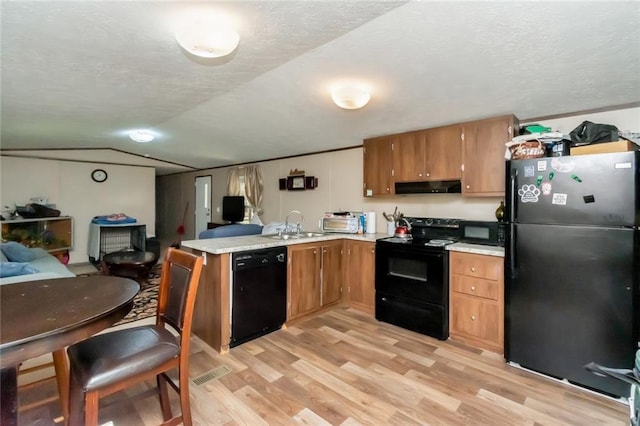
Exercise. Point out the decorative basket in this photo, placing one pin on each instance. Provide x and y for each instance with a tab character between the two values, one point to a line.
527	149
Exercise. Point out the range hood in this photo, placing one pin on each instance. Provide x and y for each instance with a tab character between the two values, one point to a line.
435	187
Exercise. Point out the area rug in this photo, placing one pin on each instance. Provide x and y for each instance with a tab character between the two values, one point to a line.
146	301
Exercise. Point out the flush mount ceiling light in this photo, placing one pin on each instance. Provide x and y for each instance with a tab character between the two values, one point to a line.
207	35
142	136
350	96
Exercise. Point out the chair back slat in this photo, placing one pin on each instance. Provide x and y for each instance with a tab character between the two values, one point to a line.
179	280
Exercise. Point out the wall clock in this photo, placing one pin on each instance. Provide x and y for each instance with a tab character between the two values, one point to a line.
99	175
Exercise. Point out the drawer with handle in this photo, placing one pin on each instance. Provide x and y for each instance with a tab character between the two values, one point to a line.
477	265
476	318
478	287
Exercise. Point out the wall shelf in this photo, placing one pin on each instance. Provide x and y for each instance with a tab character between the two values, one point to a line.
54	234
298	183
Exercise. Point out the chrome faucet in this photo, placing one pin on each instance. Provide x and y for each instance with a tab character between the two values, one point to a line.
298	224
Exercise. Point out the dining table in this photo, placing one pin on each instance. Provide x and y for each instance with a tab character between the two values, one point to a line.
46	316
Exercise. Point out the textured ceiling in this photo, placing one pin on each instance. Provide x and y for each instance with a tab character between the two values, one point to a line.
78	74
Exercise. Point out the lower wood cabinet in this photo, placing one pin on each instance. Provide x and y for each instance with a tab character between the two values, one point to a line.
314	277
332	277
476	300
360	274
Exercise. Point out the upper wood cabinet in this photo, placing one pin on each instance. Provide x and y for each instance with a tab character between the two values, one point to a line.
378	166
483	149
472	152
443	153
427	155
408	157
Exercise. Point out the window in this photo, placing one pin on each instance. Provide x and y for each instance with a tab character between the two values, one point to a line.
247	181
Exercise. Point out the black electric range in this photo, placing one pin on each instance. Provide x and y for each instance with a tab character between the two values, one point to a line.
412	276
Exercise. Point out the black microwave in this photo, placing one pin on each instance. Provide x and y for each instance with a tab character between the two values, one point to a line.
488	233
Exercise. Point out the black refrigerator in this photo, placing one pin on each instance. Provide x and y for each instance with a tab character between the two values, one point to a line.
571	266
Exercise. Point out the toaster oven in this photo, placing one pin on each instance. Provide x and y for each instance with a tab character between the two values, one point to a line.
343	222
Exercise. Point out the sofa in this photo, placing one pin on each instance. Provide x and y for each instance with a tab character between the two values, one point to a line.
19	263
233	230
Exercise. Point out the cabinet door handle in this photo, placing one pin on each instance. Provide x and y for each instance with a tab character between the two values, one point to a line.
428	174
315	252
420	175
473	269
468	186
324	250
473	288
473	317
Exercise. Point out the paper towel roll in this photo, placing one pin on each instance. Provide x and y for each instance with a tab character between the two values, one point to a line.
371	222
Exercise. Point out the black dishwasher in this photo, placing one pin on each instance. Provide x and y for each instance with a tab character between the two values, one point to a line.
259	293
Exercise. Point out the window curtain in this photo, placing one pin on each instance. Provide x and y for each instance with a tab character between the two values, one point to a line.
233	181
253	187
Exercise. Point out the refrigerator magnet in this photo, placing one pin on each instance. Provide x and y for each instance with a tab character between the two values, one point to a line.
542	165
546	188
529	194
529	171
559	199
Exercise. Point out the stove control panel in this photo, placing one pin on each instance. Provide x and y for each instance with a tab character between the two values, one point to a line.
434	222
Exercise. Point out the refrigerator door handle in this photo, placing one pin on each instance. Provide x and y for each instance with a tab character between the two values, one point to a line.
512	195
511	210
512	250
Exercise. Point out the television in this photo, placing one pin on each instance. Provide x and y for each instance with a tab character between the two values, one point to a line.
233	208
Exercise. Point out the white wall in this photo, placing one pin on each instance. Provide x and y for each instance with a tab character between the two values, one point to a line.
340	176
68	185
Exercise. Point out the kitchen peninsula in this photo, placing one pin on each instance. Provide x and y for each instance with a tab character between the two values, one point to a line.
347	258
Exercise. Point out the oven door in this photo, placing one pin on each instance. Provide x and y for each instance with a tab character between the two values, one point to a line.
411	272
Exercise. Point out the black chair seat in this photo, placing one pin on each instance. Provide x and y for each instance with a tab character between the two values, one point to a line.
109	363
112	357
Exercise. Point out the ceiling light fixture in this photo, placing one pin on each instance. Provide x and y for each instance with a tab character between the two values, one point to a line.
142	136
207	35
350	96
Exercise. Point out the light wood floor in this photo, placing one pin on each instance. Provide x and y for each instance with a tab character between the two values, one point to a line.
343	367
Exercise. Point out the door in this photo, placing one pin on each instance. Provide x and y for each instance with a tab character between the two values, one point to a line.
377	167
570	301
483	155
304	279
444	153
361	275
411	272
259	293
331	272
408	157
203	203
581	189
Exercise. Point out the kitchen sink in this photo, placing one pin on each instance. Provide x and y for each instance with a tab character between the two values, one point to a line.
293	236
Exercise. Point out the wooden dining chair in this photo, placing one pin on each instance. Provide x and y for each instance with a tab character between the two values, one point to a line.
110	362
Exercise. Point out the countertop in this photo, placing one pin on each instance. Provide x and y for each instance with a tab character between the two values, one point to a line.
256	242
477	249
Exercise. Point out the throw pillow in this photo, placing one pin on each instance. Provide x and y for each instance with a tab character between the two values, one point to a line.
12	269
39	252
16	252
